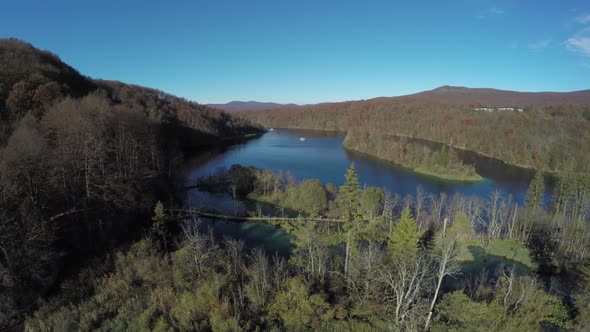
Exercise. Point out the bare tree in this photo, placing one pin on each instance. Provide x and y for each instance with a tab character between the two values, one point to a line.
199	246
438	206
311	255
389	204
258	272
234	252
279	271
363	278
421	199
405	282
445	266
515	291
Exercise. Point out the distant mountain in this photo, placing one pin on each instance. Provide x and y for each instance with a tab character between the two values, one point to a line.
449	95
495	97
538	130
236	106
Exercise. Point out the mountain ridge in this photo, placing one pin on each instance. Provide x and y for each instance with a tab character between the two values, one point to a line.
32	79
499	97
535	130
488	97
251	105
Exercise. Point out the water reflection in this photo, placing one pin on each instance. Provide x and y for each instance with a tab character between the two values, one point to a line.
322	156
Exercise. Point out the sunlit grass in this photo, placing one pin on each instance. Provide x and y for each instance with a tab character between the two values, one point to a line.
509	249
447	176
512	250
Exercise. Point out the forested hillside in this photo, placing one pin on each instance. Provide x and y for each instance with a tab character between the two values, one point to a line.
236	106
81	161
363	260
502	98
91	237
542	131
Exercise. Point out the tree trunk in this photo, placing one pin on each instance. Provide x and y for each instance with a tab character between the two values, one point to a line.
441	275
347	252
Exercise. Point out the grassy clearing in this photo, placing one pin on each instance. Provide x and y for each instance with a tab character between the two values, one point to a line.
511	250
262	198
463	252
451	177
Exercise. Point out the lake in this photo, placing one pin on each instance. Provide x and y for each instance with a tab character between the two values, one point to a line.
322	156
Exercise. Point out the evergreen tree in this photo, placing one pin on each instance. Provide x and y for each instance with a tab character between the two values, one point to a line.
559	194
442	161
404	240
156	116
582	296
372	202
350	192
534	196
160	225
533	200
461	228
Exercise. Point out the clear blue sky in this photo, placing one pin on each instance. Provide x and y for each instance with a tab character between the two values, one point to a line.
313	51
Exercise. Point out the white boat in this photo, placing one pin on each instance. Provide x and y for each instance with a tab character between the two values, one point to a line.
302	138
272	129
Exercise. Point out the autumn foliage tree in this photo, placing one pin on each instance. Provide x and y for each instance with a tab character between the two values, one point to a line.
81	164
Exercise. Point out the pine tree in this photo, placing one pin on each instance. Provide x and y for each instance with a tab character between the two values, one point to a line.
442	161
350	192
533	200
582	296
159	225
534	196
404	239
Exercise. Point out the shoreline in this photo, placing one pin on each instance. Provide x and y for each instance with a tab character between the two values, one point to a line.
450	177
545	172
418	170
423	171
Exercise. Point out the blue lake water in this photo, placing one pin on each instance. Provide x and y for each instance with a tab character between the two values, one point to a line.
322	156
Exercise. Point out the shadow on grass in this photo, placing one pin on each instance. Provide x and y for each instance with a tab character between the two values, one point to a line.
483	261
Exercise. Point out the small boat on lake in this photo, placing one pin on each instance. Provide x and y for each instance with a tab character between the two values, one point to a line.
302	138
272	129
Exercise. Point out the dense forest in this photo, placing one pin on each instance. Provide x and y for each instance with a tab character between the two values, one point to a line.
82	162
546	136
387	263
92	237
415	154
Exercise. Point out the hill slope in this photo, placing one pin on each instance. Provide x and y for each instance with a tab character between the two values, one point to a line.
31	80
491	97
82	163
19	60
552	133
236	106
